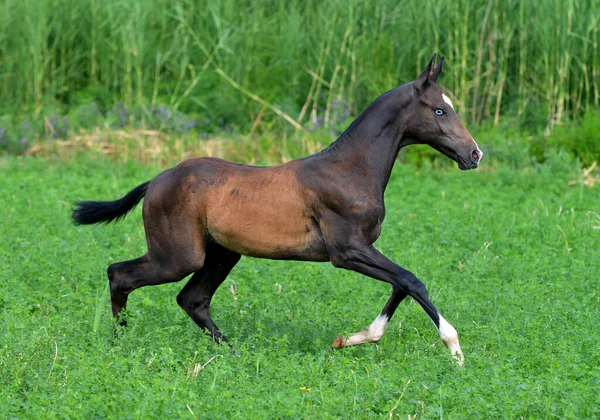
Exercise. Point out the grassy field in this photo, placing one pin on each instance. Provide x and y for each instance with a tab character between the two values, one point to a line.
510	252
510	256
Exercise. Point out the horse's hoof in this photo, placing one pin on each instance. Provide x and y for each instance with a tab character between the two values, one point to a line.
339	342
118	332
459	358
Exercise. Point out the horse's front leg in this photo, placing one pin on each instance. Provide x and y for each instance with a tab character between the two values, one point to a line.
365	259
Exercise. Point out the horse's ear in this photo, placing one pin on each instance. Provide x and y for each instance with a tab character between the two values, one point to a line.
425	77
437	71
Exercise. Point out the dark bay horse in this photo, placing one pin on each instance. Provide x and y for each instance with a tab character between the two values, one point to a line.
203	215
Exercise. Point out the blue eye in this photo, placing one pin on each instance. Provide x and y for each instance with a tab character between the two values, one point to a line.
439	112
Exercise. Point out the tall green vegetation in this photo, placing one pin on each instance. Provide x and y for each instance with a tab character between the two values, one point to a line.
312	61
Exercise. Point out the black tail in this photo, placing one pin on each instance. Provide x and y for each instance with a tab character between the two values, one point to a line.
91	212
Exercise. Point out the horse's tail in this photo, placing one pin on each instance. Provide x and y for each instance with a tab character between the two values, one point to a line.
91	212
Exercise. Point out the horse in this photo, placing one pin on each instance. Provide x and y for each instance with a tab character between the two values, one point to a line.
201	216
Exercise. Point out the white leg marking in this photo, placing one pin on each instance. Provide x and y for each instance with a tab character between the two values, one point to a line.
371	334
378	327
449	337
447	100
375	331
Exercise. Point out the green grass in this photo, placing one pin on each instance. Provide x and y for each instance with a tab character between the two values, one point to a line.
510	257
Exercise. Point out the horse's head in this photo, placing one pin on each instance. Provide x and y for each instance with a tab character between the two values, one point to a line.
433	121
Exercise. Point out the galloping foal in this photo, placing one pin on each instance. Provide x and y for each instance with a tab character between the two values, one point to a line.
203	215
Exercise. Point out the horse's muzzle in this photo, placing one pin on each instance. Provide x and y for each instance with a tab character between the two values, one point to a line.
476	156
471	162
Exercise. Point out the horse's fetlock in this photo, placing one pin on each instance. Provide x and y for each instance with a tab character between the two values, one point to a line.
375	336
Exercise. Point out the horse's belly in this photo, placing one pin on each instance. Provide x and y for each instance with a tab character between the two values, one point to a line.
268	231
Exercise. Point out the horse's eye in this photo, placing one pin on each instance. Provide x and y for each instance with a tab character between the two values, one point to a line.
439	112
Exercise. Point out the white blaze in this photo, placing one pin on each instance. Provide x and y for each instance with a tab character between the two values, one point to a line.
447	100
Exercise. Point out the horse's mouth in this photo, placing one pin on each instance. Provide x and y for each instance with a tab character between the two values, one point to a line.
463	165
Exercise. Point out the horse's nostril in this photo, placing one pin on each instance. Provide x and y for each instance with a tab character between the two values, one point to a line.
476	154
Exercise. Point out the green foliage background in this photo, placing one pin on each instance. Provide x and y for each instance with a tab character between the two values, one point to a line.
537	59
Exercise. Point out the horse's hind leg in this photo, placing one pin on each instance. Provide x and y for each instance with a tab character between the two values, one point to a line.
195	297
124	277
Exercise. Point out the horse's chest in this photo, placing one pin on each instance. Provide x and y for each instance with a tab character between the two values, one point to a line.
369	213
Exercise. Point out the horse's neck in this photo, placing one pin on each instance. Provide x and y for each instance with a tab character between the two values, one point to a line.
371	142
